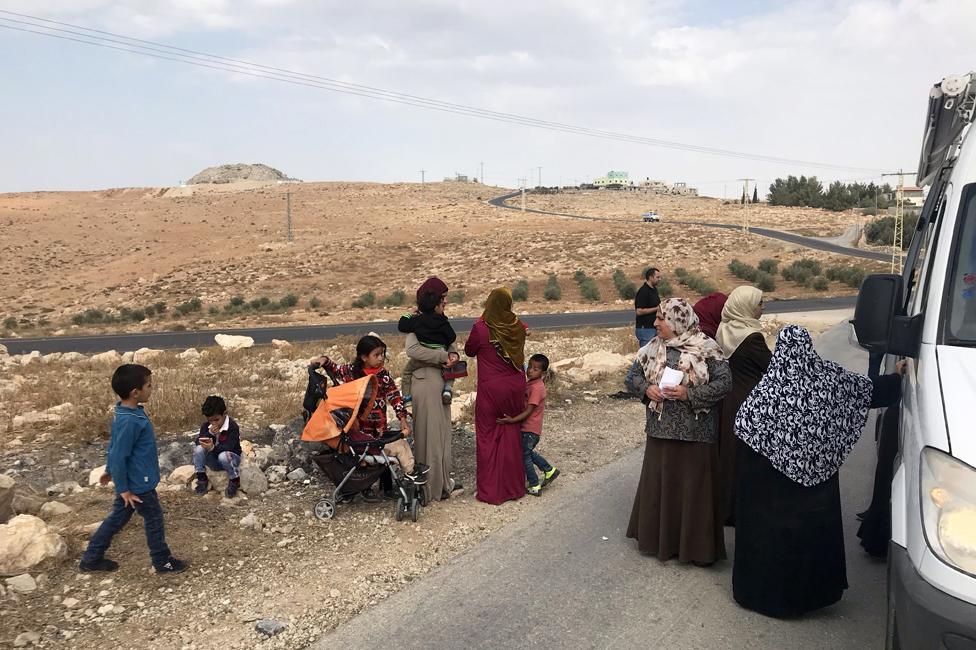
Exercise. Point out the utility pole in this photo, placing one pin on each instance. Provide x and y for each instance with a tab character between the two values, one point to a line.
482	172
745	192
422	172
539	177
288	212
522	182
899	237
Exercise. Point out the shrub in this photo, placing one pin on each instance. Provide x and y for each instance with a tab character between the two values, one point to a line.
849	275
314	303
813	266
589	290
150	310
254	304
743	270
520	292
819	283
288	301
237	301
160	307
695	282
365	300
456	296
768	265
395	299
214	310
578	276
664	288
188	307
680	272
766	281
10	323
625	287
552	291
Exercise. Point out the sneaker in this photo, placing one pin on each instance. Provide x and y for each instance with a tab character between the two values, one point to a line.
232	487
447	397
534	490
172	566
203	485
419	474
104	564
550	476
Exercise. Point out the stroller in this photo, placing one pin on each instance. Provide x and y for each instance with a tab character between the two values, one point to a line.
353	461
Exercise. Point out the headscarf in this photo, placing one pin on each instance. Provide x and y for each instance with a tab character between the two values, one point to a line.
709	310
806	413
433	284
694	346
738	318
507	334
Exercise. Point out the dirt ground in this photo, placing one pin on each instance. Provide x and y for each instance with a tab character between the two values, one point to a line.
62	253
307	574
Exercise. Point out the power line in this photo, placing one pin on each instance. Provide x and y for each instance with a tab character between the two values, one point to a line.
110	40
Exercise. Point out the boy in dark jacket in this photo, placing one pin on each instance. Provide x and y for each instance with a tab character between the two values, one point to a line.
133	463
218	447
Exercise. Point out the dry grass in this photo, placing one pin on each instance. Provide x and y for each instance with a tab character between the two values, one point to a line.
262	385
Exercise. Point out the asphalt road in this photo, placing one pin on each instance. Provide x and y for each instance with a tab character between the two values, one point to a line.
565	576
800	240
263	335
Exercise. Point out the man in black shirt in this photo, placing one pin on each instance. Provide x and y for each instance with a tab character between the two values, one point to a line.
646	304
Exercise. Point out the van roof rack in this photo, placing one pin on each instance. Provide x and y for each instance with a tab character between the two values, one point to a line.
952	105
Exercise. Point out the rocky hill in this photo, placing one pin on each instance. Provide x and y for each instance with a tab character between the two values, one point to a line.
238	172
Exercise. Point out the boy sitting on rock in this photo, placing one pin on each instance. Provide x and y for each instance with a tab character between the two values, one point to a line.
218	447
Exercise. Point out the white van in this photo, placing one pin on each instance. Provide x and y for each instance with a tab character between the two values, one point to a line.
928	315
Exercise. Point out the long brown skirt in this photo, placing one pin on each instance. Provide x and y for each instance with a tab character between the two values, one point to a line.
676	511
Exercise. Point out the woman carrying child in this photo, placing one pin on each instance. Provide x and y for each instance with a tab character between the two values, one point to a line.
370	357
431	416
498	341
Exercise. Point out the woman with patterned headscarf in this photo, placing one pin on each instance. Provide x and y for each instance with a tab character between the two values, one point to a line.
797	427
675	512
498	341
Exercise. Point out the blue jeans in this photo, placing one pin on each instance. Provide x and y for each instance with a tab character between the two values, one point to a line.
152	518
226	461
644	335
531	459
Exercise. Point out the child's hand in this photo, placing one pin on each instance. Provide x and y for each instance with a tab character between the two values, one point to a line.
900	367
505	420
317	361
528	332
206	443
130	499
104	479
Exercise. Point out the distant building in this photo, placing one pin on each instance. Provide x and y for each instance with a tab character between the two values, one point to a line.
458	178
657	187
914	196
614	180
682	189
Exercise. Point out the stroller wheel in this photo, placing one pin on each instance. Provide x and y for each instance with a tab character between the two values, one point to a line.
422	494
325	509
414	508
399	509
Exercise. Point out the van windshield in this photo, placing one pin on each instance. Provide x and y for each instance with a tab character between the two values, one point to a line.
962	281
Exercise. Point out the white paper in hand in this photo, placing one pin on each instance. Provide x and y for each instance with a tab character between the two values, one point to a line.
671	378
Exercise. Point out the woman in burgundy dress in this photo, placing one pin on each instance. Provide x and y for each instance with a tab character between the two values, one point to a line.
498	341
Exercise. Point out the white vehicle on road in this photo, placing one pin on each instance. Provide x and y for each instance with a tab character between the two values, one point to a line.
928	316
650	216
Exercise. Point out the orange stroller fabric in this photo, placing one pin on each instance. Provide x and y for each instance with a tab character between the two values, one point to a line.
322	427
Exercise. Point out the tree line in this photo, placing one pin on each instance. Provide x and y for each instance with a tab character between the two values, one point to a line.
839	196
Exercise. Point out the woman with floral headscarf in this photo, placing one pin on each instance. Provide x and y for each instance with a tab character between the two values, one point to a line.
797	427
498	341
675	512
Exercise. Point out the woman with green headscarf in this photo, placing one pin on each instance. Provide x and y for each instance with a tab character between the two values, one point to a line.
497	340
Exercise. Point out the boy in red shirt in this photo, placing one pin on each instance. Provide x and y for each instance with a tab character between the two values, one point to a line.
531	420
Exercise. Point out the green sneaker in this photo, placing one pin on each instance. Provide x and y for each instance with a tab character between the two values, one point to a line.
550	476
534	490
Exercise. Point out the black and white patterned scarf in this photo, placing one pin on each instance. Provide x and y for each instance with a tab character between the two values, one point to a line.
806	413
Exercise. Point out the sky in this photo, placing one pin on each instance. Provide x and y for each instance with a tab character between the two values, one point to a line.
824	81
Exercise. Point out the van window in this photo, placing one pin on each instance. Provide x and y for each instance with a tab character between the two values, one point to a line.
962	281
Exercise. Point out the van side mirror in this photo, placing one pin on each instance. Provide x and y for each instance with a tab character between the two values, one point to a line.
879	319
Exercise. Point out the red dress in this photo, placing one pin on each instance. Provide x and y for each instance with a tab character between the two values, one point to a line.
501	391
